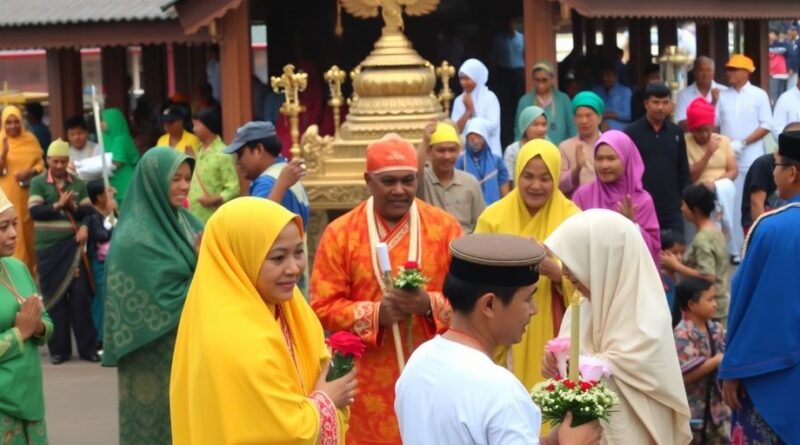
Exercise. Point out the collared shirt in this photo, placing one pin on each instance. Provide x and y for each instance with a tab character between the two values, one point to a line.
461	198
690	93
617	100
509	51
187	139
215	174
739	113
295	199
787	109
666	171
52	227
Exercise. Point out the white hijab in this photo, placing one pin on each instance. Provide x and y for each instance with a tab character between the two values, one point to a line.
627	322
486	104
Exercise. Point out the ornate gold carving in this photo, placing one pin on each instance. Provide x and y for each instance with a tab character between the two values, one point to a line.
335	77
445	72
315	149
391	10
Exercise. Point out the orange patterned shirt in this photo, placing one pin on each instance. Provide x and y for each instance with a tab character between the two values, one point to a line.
346	295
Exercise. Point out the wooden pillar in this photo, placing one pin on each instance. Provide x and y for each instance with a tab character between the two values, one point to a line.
65	87
609	33
540	39
197	66
590	25
705	37
719	49
154	58
638	47
180	59
667	34
114	65
756	46
236	66
578	38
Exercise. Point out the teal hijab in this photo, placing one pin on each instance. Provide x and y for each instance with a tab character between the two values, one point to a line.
117	140
526	118
151	261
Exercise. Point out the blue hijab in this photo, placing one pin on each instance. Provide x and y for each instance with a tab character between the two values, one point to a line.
487	168
763	341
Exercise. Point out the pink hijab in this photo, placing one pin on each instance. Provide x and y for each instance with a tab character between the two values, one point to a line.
599	195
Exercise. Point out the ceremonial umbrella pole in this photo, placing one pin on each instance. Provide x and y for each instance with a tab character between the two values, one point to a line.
382	251
575	334
99	130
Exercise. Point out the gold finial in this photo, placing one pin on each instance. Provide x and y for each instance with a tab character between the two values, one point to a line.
291	84
445	71
335	77
391	10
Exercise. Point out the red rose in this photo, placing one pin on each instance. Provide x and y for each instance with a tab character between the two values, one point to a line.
551	387
410	265
569	384
586	386
346	343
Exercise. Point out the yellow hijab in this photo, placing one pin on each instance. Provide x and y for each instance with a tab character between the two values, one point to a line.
233	378
510	215
25	137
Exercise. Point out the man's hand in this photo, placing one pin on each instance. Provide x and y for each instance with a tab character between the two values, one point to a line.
389	312
427	133
550	268
82	235
210	201
580	156
25	175
713	144
411	302
292	172
65	201
714	95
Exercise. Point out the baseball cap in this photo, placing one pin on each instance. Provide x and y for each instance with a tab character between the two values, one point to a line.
171	114
741	62
251	131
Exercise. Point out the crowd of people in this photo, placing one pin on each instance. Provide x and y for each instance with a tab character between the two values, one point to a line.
204	303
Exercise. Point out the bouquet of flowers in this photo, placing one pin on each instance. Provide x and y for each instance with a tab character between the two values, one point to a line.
588	398
410	278
345	346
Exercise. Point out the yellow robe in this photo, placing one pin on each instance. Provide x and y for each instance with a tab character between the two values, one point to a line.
244	371
24	153
511	216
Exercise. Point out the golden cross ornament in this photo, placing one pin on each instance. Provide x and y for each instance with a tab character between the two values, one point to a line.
445	71
335	77
291	84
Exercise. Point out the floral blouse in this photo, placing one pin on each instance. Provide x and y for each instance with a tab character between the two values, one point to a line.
691	342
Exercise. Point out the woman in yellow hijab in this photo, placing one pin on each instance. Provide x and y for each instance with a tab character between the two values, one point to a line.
250	360
534	209
21	158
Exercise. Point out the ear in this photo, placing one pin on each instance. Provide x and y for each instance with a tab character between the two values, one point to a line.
487	304
367	178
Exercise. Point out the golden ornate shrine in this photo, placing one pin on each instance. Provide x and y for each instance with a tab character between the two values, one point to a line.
393	91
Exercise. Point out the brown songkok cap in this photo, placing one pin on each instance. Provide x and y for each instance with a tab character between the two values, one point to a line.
496	260
789	145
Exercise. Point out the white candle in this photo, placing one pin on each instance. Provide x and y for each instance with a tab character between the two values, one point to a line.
382	251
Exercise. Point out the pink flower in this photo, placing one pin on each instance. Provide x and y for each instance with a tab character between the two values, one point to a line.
737	436
559	347
594	368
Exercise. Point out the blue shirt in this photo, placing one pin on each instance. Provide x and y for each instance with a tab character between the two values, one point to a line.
509	51
618	100
488	168
262	187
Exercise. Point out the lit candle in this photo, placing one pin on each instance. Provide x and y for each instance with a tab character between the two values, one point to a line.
575	334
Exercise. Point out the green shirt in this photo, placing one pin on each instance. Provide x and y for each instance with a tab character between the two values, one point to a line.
708	255
53	227
560	121
215	170
21	394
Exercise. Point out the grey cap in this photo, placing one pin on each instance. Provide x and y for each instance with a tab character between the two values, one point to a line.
251	131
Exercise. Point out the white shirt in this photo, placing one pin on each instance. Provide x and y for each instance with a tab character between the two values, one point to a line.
787	109
739	113
690	93
451	394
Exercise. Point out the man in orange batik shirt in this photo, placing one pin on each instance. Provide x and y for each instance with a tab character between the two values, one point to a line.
346	290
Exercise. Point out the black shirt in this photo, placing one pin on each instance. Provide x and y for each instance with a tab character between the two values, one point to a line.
666	166
759	178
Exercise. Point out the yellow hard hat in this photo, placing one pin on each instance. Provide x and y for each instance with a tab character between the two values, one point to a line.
445	133
741	62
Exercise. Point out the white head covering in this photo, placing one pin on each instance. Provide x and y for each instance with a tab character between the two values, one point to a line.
479	126
627	322
486	104
5	203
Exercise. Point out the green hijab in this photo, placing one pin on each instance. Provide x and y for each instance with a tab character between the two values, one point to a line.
526	118
151	261
117	140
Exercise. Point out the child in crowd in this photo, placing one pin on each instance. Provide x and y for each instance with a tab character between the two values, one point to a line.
700	344
707	256
479	161
100	228
673	242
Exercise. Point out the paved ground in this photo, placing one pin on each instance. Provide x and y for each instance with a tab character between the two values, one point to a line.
81	402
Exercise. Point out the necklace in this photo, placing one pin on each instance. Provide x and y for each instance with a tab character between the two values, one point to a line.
469	339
